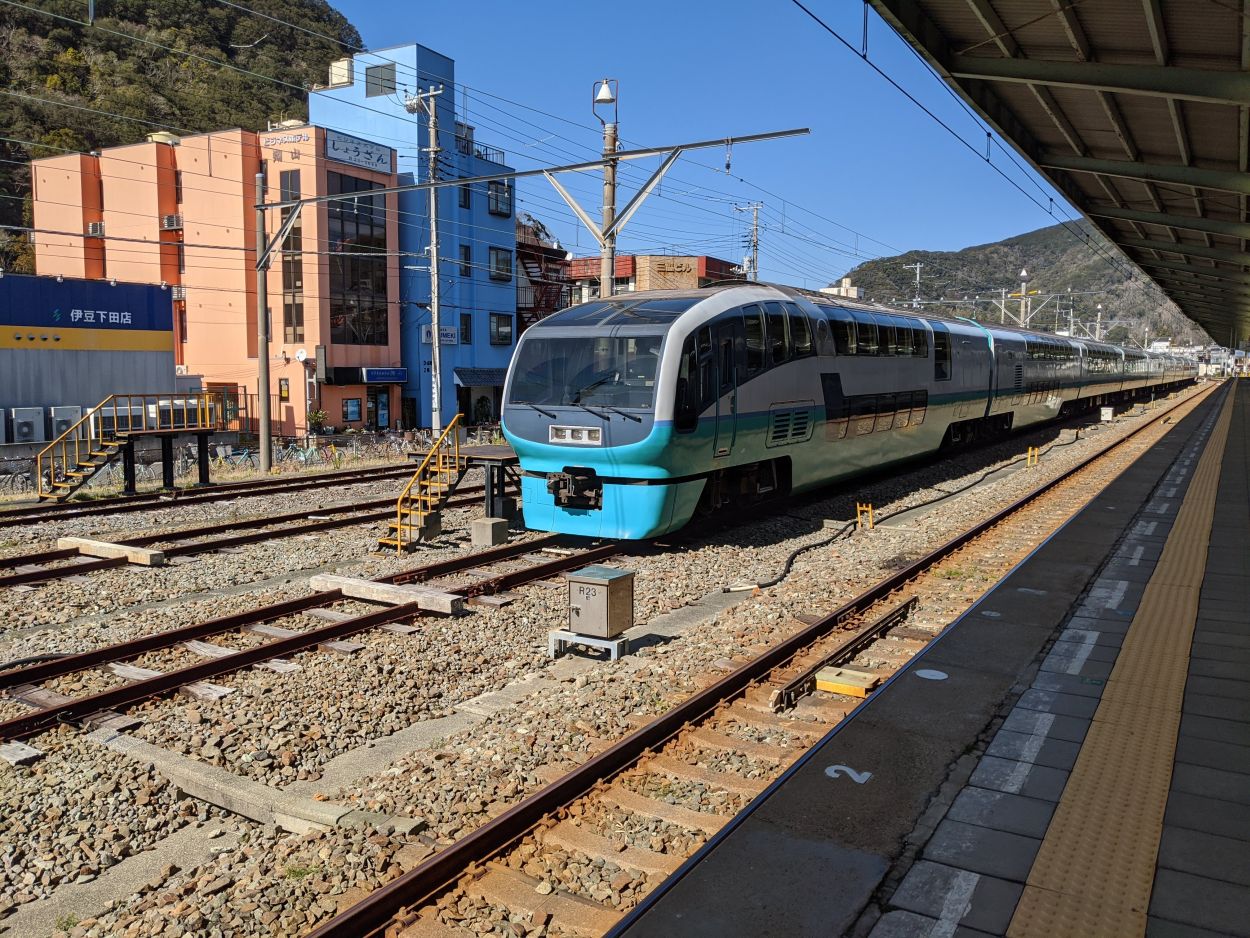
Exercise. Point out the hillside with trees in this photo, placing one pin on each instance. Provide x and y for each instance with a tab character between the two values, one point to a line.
973	281
184	66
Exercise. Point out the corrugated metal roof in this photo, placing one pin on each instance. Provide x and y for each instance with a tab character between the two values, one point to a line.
1137	110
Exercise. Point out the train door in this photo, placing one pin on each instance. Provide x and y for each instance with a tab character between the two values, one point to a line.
729	337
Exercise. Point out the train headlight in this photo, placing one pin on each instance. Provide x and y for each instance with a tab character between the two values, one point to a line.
583	436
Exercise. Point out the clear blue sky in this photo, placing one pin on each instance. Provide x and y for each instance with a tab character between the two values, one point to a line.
873	163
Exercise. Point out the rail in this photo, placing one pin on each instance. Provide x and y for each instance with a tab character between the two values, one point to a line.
92	442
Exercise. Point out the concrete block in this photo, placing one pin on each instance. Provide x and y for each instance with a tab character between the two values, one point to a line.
106	551
429	599
489	532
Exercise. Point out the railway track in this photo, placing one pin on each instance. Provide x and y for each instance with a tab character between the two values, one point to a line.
574	856
32	568
120	504
518	564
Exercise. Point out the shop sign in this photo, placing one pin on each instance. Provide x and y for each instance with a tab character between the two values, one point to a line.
344	148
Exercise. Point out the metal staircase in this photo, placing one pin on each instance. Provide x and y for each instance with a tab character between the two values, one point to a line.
419	504
69	461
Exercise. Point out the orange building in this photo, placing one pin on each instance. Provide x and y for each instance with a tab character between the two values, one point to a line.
181	212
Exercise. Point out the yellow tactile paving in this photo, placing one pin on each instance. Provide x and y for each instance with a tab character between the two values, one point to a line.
1096	866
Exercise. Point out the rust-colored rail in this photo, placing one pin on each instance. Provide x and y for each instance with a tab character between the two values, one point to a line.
373	913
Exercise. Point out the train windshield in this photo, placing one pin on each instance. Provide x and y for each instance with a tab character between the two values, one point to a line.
616	371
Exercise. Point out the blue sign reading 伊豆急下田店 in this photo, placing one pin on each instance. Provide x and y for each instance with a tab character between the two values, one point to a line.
345	148
385	375
44	302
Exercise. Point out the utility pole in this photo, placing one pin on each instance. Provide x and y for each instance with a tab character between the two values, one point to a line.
262	330
428	100
915	303
753	267
607	94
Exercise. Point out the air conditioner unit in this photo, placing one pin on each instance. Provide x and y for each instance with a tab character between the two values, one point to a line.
95	229
63	418
181	371
178	292
28	425
171	222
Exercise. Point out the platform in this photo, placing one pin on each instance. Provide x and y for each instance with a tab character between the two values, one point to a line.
1080	767
499	463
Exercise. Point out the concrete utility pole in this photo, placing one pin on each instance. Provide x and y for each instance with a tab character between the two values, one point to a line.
915	303
753	266
428	101
262	331
607	94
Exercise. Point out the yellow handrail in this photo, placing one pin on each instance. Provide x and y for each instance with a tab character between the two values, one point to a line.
72	442
435	451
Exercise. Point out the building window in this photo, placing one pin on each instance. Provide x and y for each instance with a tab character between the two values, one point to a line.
182	322
500	264
500	198
466	328
379	80
356	231
178	186
292	262
182	258
351	409
466	196
466	260
500	329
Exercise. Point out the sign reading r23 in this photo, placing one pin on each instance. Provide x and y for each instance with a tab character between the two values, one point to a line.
585	591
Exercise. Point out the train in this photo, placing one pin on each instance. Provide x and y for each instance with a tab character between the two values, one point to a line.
631	414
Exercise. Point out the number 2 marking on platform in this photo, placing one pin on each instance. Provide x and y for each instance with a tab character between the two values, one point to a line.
836	771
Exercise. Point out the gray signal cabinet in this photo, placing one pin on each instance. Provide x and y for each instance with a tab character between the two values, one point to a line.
601	601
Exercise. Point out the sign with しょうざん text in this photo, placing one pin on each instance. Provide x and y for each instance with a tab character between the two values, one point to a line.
344	148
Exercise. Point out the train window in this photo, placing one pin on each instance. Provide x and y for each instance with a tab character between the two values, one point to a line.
863	413
919	406
708	390
800	332
824	340
753	319
885	412
686	400
920	340
887	337
941	355
837	408
778	335
726	363
843	327
866	335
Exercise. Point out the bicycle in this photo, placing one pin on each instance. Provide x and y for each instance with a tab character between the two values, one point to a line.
227	458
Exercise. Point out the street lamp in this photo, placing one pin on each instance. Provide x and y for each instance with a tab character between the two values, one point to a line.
605	96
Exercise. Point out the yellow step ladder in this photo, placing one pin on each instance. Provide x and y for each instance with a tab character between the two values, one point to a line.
419	504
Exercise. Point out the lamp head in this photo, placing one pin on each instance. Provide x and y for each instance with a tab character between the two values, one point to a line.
605	94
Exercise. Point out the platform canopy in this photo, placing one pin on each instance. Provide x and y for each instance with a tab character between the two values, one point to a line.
1136	110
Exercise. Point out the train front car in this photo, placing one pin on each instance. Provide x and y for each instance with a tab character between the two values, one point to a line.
588	408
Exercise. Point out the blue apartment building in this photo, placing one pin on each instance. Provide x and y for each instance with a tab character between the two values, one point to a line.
369	96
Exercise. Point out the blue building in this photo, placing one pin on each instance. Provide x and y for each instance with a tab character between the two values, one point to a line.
369	96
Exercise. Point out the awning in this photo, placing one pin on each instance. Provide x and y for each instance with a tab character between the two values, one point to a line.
481	377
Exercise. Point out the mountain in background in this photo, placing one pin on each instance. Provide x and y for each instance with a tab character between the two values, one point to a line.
66	86
1058	261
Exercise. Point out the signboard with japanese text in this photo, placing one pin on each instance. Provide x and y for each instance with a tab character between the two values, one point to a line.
344	148
384	375
448	335
45	303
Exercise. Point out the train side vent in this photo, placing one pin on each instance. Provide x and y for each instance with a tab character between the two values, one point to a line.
1019	377
800	424
780	431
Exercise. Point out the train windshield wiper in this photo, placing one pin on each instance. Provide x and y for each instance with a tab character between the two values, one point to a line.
577	395
616	410
533	406
604	417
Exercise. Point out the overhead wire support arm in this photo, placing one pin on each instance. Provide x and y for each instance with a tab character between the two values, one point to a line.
568	168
